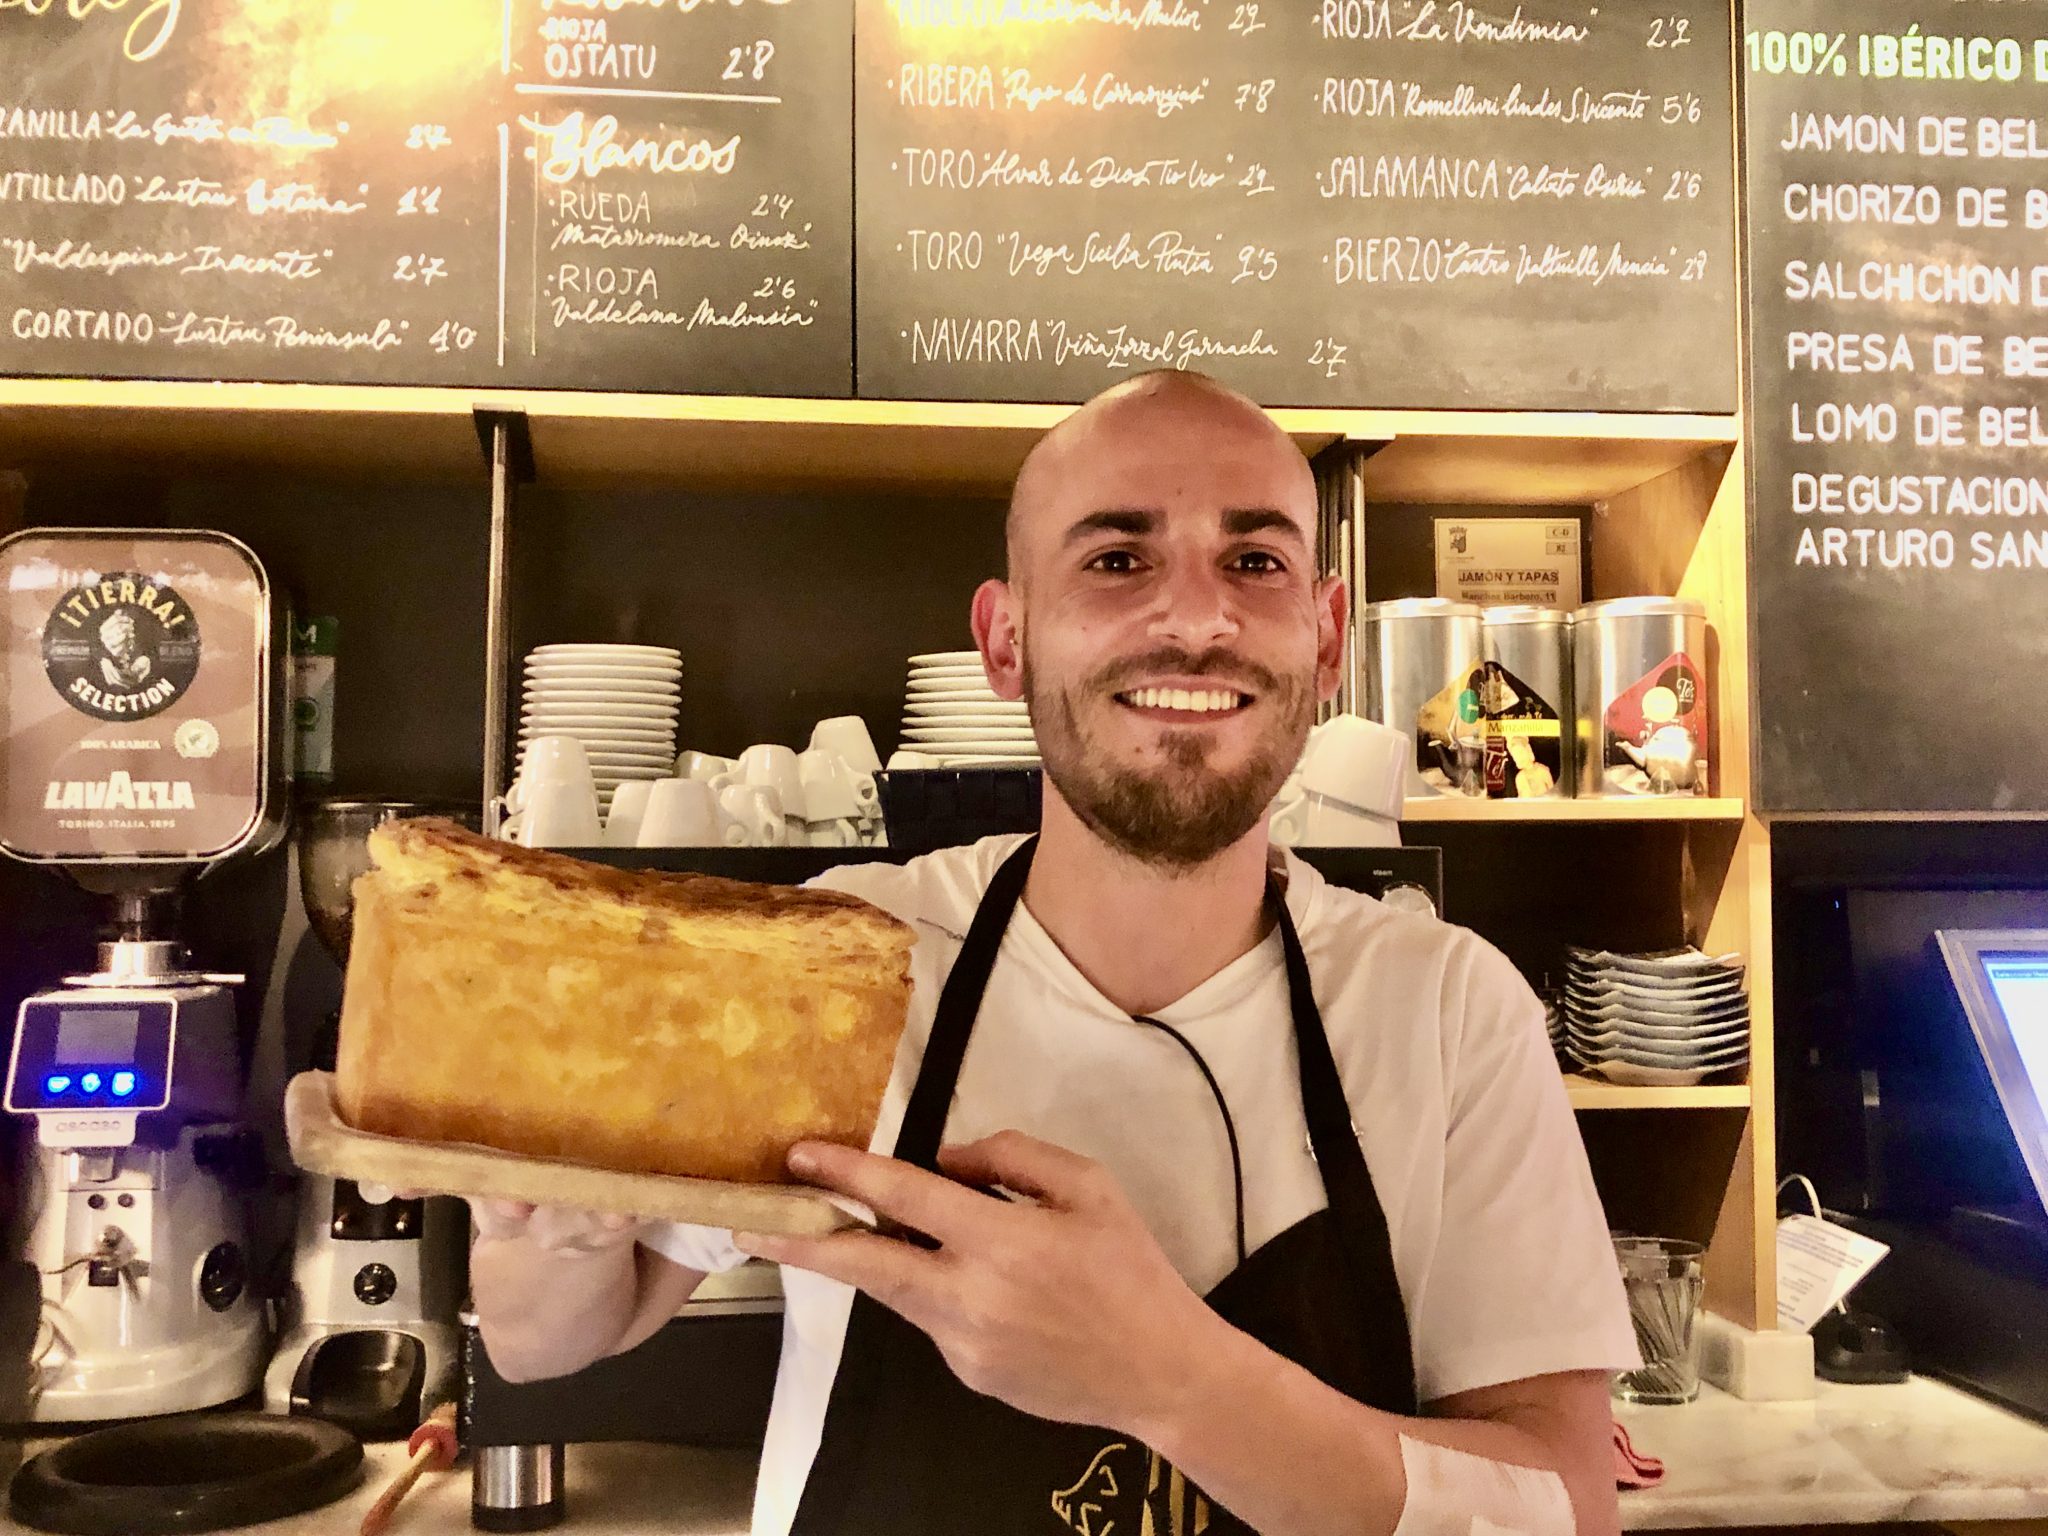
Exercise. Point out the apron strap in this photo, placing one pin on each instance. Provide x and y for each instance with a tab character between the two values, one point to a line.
1347	1181
924	1117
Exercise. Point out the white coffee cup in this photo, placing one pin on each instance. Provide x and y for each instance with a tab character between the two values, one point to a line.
831	789
556	815
756	810
681	813
905	758
775	767
1359	763
848	736
628	810
702	765
555	760
838	833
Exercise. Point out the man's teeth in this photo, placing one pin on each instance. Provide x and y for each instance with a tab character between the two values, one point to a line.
1193	700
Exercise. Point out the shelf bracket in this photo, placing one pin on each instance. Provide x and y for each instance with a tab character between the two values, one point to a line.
508	451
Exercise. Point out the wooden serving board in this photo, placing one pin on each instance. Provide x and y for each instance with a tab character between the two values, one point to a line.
322	1143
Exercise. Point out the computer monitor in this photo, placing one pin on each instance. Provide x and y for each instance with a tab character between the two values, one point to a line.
2001	975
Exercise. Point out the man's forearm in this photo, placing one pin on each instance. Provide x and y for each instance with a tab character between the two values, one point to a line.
545	1313
1291	1456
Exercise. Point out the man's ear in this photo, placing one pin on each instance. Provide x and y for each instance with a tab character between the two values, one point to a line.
997	618
1333	611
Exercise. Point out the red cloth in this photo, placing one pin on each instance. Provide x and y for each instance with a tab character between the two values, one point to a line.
1632	1469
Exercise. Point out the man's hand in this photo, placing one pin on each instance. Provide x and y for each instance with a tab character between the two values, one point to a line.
1061	1303
550	1228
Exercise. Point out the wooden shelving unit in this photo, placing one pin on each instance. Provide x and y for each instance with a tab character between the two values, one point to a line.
730	442
1460	808
1666	494
1592	1093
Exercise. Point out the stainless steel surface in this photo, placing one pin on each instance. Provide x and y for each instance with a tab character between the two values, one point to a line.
1415	648
1615	645
1534	645
497	626
515	1476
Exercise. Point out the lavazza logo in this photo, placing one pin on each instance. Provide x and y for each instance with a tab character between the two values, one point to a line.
118	792
122	647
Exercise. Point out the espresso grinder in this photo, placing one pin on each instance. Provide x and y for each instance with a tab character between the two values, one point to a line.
138	749
370	1339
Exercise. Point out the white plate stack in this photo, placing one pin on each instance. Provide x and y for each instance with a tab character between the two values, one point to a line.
620	701
1667	1019
951	714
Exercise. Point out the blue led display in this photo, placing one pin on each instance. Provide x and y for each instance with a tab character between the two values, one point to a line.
124	1084
90	1082
56	1082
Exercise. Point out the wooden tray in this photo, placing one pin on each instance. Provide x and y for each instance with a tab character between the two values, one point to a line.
322	1143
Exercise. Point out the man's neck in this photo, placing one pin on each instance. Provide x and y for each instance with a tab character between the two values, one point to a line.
1144	936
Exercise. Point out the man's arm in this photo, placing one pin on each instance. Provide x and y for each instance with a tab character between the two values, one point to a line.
1292	1457
556	1290
1062	1305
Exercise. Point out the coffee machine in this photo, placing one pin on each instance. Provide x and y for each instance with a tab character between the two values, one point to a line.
139	748
141	1238
370	1339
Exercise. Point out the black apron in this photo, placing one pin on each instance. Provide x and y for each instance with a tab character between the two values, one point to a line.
908	1450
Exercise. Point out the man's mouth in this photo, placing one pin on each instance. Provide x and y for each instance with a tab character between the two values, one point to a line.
1184	703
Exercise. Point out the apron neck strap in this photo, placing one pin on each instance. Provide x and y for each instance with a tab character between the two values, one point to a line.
924	1118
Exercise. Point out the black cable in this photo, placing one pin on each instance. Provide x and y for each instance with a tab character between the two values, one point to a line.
1229	1125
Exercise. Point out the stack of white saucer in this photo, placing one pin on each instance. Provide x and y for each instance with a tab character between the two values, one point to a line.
953	718
619	701
1668	1019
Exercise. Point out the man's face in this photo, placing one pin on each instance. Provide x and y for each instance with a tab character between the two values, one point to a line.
1175	639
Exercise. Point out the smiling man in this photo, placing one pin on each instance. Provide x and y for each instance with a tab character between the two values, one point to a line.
1223	1199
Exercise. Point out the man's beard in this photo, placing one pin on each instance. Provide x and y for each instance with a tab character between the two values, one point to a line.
1183	813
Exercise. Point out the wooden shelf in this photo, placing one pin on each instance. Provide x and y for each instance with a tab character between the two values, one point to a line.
1594	1093
733	442
1516	812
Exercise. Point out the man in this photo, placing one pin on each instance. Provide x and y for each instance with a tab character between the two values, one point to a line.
1261	1206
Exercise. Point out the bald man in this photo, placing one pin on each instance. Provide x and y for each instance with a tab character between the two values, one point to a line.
1215	1198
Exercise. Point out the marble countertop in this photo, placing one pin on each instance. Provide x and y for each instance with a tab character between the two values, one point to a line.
1919	1451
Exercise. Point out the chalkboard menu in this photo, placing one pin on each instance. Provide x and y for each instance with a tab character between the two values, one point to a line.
584	193
1898	279
1424	203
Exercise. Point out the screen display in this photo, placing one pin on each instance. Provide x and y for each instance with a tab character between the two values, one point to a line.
2020	983
96	1036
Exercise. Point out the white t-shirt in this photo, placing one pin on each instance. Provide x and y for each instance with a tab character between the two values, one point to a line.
1498	1238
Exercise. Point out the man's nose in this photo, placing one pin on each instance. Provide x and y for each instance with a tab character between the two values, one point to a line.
1194	607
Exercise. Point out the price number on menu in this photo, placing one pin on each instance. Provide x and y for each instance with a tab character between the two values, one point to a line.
1669	32
420	200
452	336
1682	108
424	270
776	288
772	205
1254	95
1694	269
1256	263
1328	355
428	136
1685	186
749	61
1244	21
1254	180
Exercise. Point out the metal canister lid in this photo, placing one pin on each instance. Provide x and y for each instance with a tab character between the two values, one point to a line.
1642	608
1419	608
1524	613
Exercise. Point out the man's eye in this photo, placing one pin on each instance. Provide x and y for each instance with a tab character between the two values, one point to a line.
1258	562
1117	562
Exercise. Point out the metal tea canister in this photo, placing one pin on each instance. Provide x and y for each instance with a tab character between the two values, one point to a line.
1639	671
1424	663
1525	703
